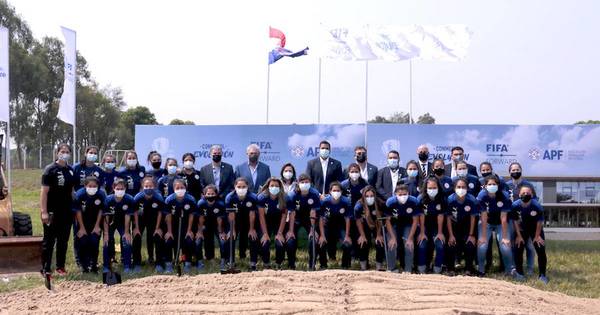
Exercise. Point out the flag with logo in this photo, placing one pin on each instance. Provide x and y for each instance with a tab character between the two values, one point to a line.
66	110
4	95
279	51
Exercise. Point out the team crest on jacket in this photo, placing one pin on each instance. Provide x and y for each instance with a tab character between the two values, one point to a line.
141	174
249	204
438	207
446	185
342	210
186	207
533	213
499	204
97	202
467	208
96	174
197	176
310	201
409	210
471	185
155	205
215	210
125	207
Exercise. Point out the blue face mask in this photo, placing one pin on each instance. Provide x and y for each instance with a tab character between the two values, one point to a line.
324	153
393	163
149	192
412	173
492	189
109	166
172	169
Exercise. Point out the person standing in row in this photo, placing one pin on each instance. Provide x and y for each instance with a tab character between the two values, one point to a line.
255	172
218	172
178	213
212	220
306	201
288	177
389	176
155	160
324	170
132	173
367	171
335	218
245	218
458	155
434	204
110	173
117	216
165	183
191	176
88	207
148	204
56	199
425	167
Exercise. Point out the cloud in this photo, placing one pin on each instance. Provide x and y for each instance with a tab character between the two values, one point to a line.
337	135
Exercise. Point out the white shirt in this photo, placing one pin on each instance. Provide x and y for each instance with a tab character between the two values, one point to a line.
364	173
395	175
324	164
453	172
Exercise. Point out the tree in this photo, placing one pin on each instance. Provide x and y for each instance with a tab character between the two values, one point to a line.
403	118
140	115
178	121
589	122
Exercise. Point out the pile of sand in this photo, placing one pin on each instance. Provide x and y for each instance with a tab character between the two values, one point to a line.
326	292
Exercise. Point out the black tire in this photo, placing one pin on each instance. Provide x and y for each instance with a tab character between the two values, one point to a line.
22	224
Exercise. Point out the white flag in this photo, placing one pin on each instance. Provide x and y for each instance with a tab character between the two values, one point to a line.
394	42
66	111
4	96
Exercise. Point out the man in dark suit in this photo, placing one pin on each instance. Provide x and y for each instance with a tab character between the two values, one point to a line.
324	170
218	173
425	167
257	173
389	176
368	171
458	154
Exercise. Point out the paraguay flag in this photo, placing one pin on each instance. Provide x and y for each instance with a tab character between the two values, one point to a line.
279	51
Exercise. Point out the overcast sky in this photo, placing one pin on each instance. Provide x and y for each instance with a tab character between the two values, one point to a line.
530	62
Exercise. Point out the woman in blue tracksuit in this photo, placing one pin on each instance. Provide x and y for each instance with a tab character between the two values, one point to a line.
461	223
88	205
495	207
276	217
473	184
531	228
446	184
405	213
245	217
434	204
108	169
155	160
165	183
179	217
353	185
486	169
514	184
214	221
148	205
366	215
132	173
412	179
306	202
335	217
118	214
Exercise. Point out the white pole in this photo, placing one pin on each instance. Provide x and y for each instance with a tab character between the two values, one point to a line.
366	98
8	164
410	84
319	96
268	86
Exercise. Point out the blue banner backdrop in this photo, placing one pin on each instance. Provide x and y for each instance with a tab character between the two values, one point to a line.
543	150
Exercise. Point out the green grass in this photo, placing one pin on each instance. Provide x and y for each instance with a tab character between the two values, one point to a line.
573	266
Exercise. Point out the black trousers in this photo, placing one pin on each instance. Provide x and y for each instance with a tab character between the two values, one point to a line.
56	233
210	232
529	233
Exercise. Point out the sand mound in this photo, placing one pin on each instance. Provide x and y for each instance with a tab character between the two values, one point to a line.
327	292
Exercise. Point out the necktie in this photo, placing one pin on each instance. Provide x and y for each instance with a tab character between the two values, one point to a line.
424	166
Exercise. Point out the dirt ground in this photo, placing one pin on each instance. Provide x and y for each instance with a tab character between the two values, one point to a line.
289	292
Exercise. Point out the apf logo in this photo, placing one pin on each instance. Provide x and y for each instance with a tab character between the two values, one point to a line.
552	155
297	151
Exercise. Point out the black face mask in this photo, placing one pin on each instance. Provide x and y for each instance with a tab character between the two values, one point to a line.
439	171
216	158
361	158
525	198
515	175
156	165
253	158
486	174
423	156
211	198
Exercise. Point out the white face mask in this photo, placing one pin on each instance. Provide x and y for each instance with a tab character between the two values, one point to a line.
119	193
304	186
172	169
402	199
64	157
370	201
91	190
241	192
393	163
336	194
461	192
109	165
131	163
432	192
461	173
354	176
412	173
274	190
188	164
180	192
91	157
288	175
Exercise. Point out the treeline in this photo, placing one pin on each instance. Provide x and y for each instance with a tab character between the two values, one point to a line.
36	84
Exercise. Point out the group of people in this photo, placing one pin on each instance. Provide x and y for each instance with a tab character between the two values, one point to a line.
426	217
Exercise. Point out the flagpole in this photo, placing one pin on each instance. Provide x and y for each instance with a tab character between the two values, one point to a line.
410	85
366	97
7	141
268	85
319	96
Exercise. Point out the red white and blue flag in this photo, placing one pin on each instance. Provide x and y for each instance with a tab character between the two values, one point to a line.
280	51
